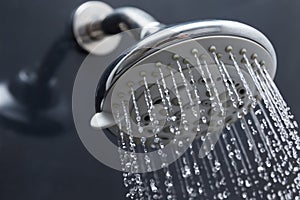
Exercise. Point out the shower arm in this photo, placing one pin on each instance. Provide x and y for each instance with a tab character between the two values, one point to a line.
96	23
124	19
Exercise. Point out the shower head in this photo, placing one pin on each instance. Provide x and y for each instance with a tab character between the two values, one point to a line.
206	64
199	94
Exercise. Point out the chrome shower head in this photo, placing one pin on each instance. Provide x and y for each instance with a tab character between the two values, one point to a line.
200	80
212	57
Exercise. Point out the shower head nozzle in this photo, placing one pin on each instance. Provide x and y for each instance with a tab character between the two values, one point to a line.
209	64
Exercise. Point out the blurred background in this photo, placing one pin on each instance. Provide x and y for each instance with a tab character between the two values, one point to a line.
57	165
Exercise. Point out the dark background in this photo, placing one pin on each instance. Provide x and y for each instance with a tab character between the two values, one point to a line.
58	166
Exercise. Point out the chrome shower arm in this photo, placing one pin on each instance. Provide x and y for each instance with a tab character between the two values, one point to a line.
129	18
95	22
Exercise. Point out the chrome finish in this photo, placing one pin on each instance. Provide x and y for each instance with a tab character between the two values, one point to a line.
84	20
176	34
96	23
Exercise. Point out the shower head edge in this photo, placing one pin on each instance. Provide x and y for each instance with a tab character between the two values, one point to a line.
194	30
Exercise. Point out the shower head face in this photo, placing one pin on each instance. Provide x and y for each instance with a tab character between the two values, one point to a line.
175	74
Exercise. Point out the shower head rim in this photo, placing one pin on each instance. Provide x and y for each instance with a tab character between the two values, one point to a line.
202	29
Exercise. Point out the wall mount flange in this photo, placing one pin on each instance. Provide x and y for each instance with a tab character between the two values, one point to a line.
87	28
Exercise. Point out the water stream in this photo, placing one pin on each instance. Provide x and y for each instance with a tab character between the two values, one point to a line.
256	157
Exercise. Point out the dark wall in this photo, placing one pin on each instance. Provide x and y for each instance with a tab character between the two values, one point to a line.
45	166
